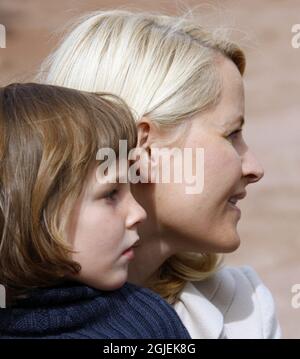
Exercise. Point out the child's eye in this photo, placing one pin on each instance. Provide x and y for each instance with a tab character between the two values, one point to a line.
111	195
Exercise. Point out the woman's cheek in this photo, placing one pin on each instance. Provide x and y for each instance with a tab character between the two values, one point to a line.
225	162
219	178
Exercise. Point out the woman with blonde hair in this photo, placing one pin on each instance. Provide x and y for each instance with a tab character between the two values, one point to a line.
184	85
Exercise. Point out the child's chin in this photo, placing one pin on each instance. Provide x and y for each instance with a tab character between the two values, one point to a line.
117	285
113	283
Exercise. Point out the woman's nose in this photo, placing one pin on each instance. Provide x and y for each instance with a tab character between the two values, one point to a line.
251	168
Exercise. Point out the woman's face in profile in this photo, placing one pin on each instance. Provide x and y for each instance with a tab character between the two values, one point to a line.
208	221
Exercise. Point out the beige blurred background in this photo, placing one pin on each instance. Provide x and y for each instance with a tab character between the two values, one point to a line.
269	227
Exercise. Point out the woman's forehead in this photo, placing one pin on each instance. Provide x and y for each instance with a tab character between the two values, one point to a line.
232	83
231	108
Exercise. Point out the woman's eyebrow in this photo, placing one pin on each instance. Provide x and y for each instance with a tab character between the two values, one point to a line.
241	120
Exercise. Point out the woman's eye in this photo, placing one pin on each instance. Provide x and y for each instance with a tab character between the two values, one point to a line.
234	134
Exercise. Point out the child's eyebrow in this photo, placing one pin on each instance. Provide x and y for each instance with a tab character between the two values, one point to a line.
108	182
100	188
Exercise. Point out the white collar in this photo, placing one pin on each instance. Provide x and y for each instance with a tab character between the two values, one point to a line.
202	305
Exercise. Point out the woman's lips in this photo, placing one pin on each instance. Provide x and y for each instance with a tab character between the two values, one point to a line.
234	199
234	207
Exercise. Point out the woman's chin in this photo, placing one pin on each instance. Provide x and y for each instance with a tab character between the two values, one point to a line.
225	243
231	244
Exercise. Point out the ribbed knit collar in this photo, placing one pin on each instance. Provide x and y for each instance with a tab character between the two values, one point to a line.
73	310
81	304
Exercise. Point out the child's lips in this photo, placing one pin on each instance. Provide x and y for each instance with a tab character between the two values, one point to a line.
136	244
129	251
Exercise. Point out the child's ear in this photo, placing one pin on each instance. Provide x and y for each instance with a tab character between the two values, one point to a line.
147	132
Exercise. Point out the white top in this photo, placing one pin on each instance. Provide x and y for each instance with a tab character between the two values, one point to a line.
232	304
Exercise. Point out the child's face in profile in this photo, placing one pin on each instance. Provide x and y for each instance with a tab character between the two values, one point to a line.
102	230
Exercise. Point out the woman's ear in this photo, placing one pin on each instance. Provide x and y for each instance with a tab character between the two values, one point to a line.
144	127
147	132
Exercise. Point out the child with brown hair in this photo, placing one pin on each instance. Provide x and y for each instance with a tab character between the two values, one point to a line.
67	238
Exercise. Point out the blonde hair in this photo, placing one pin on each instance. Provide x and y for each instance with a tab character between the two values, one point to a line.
49	139
166	69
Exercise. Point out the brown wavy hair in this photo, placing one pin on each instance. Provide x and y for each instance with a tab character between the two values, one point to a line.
49	139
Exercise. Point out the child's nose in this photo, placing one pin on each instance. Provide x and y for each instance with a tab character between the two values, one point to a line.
136	213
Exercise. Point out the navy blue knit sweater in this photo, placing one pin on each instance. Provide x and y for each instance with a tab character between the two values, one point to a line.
75	311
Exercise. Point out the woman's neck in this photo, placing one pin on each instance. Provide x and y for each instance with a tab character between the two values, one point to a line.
155	247
149	256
